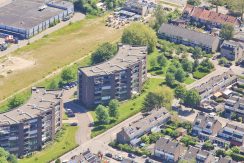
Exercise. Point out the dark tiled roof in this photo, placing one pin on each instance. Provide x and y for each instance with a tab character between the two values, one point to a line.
226	160
186	34
204	120
167	145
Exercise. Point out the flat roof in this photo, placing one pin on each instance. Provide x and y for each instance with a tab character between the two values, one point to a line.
126	56
24	14
41	100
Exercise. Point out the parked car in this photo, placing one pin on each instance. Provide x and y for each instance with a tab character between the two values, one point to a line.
148	160
118	158
74	124
109	155
131	155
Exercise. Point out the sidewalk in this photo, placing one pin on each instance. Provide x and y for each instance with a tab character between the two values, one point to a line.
22	43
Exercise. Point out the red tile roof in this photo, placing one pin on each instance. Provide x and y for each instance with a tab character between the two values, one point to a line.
208	15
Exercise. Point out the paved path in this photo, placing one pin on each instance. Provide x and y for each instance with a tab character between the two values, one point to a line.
82	116
22	43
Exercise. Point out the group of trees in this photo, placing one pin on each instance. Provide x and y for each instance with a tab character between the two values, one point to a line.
194	2
189	97
104	114
104	52
140	34
161	97
6	157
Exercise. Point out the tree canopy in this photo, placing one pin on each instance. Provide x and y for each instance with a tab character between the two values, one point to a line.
68	75
16	101
227	32
104	52
113	108
192	98
140	34
102	114
162	97
6	157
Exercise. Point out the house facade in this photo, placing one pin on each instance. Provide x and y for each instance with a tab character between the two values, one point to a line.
135	130
181	35
232	50
168	150
205	125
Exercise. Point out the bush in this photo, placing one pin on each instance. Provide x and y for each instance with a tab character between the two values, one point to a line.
237	157
188	140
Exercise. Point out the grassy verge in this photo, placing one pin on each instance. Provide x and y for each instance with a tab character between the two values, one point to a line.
199	75
64	142
128	108
189	80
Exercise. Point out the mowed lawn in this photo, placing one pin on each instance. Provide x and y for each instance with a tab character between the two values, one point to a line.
57	50
129	107
64	143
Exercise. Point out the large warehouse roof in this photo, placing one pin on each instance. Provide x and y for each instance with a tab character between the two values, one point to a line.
25	14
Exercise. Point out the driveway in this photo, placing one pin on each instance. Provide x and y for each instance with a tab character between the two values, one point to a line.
82	117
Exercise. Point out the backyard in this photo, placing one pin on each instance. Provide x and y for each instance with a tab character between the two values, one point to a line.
64	142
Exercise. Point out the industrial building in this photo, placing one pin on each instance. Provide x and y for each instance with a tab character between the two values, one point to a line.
26	18
29	127
119	78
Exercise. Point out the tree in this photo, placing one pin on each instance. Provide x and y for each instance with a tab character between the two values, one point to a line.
236	6
53	85
170	79
104	52
67	75
194	2
206	66
145	139
87	7
180	75
6	157
58	161
187	65
220	152
162	60
111	4
208	145
139	34
188	140
160	17
163	96
102	114
192	98
16	101
153	63
223	61
180	91
113	108
197	53
227	32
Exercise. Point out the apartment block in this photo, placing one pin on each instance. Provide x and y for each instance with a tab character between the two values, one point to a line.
205	125
168	150
232	50
135	130
181	35
118	78
29	127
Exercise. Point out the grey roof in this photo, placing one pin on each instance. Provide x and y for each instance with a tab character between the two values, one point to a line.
235	103
235	126
126	56
167	145
193	152
156	117
203	120
216	81
24	14
232	44
40	101
226	160
186	34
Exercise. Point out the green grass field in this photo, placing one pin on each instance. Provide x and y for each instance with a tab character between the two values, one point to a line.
57	50
65	142
128	108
